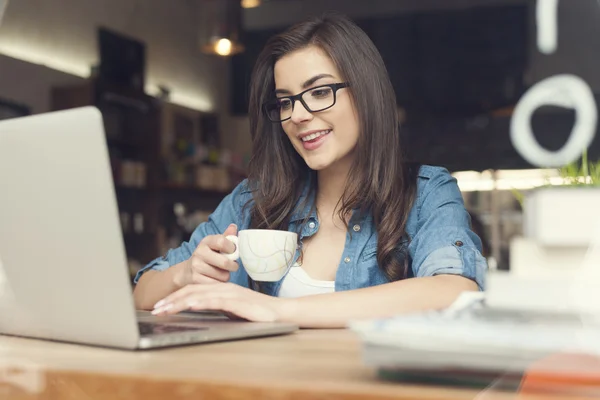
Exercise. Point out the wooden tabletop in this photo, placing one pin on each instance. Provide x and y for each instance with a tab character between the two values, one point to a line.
308	364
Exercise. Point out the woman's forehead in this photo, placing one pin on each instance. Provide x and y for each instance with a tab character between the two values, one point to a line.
299	66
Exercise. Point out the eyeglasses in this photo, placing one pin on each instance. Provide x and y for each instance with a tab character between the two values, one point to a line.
314	100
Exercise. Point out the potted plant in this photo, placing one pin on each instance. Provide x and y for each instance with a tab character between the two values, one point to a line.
560	247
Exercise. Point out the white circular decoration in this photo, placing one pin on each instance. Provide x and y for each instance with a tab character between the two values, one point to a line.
568	91
547	30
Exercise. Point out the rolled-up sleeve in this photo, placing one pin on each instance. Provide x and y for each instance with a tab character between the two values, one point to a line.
444	242
229	211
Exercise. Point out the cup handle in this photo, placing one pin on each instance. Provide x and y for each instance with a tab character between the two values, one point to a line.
236	254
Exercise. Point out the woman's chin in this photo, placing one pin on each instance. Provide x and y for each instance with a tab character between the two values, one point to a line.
317	165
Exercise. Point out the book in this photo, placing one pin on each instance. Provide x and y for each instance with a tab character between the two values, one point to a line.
562	216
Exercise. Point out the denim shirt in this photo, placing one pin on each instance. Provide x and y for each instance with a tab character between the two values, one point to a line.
440	240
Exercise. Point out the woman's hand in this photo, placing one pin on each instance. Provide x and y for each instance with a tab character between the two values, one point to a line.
207	264
229	298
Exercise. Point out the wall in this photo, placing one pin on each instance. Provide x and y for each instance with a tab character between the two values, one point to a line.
30	84
578	44
274	14
59	36
62	33
578	41
578	26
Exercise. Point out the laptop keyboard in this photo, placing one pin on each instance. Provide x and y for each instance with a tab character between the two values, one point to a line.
153	328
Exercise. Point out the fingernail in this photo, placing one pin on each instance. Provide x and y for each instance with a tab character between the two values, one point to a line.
161	310
234	225
159	304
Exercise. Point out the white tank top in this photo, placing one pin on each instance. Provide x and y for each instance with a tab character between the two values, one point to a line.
298	283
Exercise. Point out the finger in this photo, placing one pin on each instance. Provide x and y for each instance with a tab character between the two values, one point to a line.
240	308
206	280
217	243
201	268
216	290
174	307
234	317
187	299
178	294
217	260
232	229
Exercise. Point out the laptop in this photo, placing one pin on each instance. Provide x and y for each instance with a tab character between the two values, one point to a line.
63	265
3	4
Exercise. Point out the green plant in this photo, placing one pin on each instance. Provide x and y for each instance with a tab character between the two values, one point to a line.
581	174
518	195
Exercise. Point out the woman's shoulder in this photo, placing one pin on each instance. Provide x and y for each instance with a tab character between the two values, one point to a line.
431	178
234	206
243	187
238	197
242	193
428	172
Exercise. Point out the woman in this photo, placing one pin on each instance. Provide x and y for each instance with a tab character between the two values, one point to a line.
327	163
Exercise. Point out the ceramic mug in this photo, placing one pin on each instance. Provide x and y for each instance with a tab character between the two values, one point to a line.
266	254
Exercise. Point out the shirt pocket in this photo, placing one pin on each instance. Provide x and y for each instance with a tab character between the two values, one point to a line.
368	272
370	251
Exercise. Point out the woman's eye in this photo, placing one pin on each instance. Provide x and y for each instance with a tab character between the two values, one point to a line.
323	92
286	103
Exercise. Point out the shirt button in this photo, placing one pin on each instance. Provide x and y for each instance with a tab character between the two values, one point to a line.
458	243
347	259
312	225
356	228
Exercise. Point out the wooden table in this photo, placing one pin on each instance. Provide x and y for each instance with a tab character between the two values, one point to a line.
308	364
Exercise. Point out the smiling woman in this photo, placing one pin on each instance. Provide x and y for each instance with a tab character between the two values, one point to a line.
376	236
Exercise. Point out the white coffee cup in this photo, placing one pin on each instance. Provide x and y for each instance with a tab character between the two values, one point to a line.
266	254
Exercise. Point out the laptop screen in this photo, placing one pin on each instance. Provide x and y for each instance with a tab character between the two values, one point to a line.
3	4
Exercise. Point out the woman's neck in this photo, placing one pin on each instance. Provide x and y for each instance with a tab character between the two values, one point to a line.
331	185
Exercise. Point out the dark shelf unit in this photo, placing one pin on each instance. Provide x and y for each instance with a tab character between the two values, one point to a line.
133	124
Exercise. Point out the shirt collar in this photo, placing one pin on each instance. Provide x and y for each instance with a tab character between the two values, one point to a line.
308	212
305	209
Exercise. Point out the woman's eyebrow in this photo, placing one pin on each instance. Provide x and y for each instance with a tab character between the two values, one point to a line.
307	83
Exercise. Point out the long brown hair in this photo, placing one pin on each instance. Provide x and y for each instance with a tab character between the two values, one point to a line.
382	184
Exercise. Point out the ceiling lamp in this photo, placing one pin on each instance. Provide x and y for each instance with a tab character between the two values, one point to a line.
222	22
250	3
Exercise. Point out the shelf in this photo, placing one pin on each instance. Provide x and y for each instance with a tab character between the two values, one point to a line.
124	188
137	128
117	142
193	189
173	188
130	237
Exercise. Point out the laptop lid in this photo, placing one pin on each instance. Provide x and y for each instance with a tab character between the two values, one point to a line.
3	4
63	272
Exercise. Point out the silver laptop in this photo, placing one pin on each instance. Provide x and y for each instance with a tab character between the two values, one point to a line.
63	268
3	4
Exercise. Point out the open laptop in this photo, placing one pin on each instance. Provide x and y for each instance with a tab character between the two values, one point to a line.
63	268
3	4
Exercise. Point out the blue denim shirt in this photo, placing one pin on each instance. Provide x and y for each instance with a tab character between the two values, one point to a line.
439	241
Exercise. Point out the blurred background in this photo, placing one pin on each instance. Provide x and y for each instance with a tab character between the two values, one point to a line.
171	79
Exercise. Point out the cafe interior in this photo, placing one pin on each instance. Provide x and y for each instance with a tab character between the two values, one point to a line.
472	78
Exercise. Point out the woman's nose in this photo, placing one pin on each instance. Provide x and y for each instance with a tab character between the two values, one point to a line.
300	113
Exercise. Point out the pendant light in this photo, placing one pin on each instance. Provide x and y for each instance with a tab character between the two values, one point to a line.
222	21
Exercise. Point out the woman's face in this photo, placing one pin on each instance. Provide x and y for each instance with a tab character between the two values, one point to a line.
322	138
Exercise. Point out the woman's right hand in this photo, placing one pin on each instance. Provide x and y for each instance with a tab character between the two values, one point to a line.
207	263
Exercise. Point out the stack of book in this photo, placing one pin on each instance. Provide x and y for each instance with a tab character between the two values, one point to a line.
546	305
555	265
472	337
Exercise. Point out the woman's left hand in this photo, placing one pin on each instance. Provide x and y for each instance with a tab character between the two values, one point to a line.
229	298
